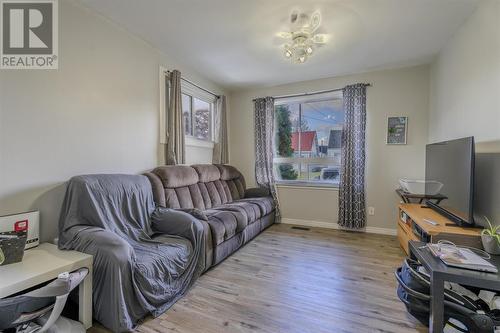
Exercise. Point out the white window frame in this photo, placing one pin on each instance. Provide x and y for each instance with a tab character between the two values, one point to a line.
195	92
306	160
191	90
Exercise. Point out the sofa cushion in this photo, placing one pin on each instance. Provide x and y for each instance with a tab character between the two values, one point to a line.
158	189
148	260
249	210
257	192
228	172
201	186
233	180
173	176
224	224
235	187
225	249
265	204
207	172
184	197
195	212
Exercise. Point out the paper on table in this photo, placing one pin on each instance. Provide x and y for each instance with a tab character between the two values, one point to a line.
461	258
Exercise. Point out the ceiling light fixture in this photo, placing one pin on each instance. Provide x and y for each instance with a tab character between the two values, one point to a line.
302	38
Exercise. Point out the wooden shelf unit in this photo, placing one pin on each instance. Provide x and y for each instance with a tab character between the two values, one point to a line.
411	226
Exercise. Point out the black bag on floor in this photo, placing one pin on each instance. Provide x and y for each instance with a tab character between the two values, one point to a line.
414	292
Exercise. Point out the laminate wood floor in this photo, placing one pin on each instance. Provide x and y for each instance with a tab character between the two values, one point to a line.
289	280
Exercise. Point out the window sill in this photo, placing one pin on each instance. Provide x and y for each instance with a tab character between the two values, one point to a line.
193	142
307	185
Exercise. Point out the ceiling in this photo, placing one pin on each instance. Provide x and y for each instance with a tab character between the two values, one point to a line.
234	43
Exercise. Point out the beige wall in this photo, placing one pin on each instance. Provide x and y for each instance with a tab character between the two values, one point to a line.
465	80
97	114
398	92
198	153
317	207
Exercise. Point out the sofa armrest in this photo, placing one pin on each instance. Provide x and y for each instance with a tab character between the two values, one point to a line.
195	212
208	252
257	192
177	223
158	190
209	247
106	246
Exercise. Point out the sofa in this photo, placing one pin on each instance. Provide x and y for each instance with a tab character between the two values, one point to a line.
216	195
145	257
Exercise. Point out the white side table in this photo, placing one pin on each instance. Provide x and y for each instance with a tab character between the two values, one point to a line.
44	263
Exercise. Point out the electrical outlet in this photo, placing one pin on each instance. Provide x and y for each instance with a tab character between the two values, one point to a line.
371	210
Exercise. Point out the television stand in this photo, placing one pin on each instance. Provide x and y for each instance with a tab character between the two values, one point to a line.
454	225
412	226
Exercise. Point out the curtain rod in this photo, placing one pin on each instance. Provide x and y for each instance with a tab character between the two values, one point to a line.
197	86
310	93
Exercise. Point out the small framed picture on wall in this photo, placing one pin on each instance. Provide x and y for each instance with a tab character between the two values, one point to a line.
397	130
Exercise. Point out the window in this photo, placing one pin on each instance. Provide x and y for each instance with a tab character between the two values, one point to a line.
197	109
308	139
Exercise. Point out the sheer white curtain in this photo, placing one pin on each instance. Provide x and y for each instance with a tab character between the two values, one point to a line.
221	149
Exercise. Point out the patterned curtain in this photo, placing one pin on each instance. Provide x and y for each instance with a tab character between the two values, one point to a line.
352	212
264	146
221	149
175	148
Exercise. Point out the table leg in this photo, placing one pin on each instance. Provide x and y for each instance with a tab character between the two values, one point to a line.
437	305
85	301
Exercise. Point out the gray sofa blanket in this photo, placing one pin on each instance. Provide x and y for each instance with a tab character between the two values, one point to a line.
145	258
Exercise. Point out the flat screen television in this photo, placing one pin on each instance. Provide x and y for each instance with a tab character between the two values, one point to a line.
451	163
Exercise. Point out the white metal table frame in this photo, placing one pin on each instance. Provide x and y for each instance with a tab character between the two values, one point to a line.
44	263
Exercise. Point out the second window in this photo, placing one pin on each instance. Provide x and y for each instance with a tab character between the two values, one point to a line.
198	115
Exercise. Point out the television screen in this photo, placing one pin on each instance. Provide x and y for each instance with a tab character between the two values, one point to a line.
451	163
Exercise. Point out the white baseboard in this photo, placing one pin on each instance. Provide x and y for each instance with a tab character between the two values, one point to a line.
331	225
381	231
